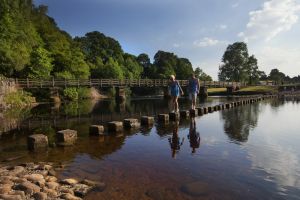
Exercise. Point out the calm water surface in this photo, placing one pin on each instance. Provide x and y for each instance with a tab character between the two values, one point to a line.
249	152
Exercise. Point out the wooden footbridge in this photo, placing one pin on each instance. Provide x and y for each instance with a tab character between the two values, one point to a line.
102	83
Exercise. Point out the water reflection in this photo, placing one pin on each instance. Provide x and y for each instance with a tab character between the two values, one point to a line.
194	136
175	141
239	121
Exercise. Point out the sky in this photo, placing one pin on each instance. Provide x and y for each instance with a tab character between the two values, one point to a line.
199	30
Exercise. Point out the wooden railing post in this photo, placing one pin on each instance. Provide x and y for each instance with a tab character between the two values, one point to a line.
27	80
53	82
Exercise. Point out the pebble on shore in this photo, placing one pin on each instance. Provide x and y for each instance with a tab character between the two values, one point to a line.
36	181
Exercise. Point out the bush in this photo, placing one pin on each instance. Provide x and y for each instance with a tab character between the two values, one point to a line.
18	99
74	94
71	94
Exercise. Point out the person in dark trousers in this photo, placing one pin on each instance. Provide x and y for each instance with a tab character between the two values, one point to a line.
194	136
175	91
193	88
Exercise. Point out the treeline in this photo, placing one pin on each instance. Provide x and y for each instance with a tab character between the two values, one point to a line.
33	46
238	65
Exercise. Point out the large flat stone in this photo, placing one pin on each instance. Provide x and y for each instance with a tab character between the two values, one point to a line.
115	126
131	123
37	141
96	130
147	121
67	136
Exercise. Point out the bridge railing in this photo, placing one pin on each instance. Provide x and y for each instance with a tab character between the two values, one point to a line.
34	83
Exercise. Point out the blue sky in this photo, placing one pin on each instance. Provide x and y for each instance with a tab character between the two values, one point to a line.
199	30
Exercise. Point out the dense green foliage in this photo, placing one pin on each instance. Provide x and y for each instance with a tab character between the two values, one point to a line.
74	94
238	65
201	75
33	46
18	99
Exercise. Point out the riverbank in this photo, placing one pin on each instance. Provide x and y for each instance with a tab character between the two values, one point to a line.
250	90
41	181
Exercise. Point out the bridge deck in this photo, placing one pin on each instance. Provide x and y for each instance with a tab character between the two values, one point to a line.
31	83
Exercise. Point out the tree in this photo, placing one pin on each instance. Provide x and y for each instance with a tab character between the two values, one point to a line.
41	65
277	76
201	75
235	60
252	73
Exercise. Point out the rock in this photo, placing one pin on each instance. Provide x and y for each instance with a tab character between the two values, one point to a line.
131	123
147	121
174	116
51	179
67	137
69	181
184	113
40	196
10	197
80	190
115	126
20	193
93	183
52	185
44	167
52	172
155	194
68	196
34	177
66	190
164	118
96	130
16	170
51	193
37	142
196	189
28	188
5	189
193	112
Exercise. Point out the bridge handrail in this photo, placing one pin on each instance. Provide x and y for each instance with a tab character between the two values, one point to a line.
40	83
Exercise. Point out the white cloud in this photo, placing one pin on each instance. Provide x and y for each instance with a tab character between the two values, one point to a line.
285	59
223	26
176	45
207	42
276	16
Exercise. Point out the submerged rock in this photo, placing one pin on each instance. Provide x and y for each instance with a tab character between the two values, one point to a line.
196	189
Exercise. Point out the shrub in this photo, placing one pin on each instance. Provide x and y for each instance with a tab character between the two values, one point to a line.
71	94
18	99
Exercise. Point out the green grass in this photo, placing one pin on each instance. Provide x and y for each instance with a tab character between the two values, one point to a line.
259	89
214	90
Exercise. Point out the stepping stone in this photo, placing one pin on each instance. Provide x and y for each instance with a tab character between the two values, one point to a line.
131	123
147	121
115	126
174	116
193	112
96	130
164	118
184	113
38	141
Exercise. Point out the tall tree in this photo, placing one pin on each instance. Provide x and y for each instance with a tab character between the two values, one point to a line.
235	60
202	75
277	76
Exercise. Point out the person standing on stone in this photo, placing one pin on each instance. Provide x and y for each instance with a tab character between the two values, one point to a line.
175	91
193	88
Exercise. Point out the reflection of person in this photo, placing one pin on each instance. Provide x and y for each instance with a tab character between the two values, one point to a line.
194	136
194	87
175	90
175	141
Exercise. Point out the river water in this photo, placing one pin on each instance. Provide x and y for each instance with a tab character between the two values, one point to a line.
248	152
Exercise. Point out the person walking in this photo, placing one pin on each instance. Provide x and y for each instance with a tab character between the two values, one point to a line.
175	90
193	88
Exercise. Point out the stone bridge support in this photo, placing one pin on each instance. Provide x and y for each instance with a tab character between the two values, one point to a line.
120	93
203	92
54	95
231	89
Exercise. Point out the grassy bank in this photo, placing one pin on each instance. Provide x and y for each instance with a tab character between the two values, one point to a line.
250	90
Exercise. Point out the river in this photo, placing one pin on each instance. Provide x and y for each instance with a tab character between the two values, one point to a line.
248	152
